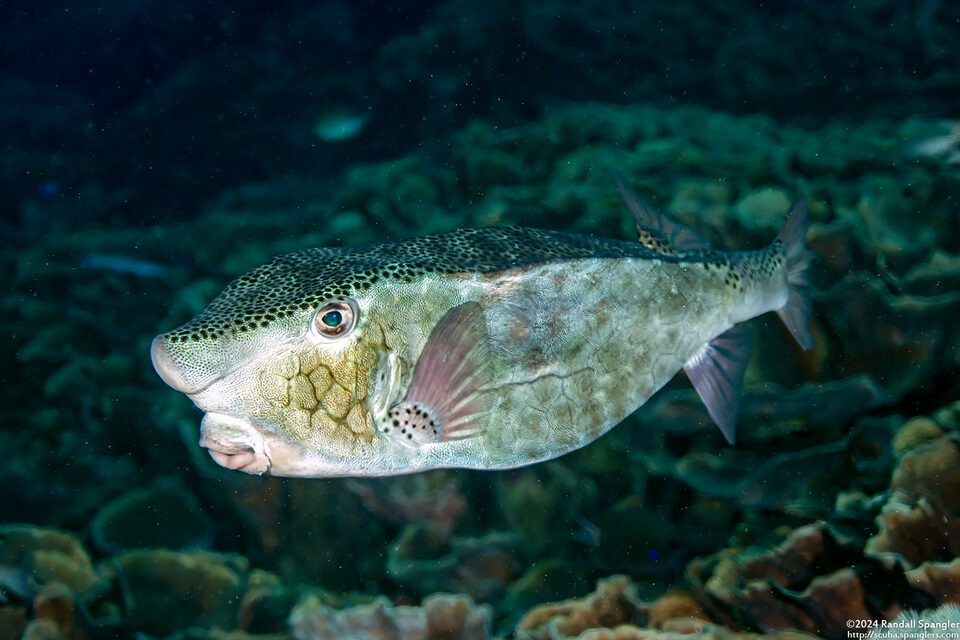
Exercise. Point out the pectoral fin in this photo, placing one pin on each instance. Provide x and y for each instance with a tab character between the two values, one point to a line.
445	400
716	372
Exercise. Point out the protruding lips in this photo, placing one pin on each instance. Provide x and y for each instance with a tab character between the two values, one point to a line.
234	443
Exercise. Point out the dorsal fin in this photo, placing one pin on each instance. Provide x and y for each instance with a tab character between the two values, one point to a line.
656	231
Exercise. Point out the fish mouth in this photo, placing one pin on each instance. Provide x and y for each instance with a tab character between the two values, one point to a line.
234	443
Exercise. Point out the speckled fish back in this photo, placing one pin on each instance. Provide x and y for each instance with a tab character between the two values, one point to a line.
295	282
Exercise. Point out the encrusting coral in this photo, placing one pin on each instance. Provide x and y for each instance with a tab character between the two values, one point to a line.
439	617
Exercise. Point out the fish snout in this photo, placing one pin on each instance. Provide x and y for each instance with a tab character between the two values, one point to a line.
189	366
167	368
233	443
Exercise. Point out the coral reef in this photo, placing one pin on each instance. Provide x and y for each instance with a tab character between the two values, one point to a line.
439	617
124	523
411	499
919	522
840	500
425	558
802	584
613	612
49	587
614	603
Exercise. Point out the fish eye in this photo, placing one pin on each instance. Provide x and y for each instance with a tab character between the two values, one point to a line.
336	318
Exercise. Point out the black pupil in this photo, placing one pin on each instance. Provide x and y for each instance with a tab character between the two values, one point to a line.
332	319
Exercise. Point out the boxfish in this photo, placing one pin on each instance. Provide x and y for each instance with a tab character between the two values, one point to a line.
487	348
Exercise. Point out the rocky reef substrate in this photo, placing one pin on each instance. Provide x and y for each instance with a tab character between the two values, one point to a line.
840	500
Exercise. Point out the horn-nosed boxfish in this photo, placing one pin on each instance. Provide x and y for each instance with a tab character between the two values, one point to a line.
482	348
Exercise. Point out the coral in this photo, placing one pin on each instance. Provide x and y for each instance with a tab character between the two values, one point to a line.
939	580
760	209
685	630
281	522
211	583
412	499
771	482
915	432
812	582
440	616
176	518
47	555
13	620
43	630
673	609
545	581
931	471
904	335
837	401
614	603
817	579
943	144
537	502
613	612
914	533
920	520
55	607
56	591
49	573
426	558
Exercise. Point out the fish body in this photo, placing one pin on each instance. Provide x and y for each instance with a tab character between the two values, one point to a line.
481	348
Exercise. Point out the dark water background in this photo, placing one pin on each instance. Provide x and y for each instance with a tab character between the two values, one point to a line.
153	151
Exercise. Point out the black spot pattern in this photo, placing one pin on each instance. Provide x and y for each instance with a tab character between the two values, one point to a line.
413	422
756	265
302	280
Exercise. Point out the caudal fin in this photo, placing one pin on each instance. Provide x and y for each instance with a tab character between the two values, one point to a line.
796	312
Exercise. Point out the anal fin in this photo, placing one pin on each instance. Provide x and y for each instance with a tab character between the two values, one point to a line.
716	372
445	400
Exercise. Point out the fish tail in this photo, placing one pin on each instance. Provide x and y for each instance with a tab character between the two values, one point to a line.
795	313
